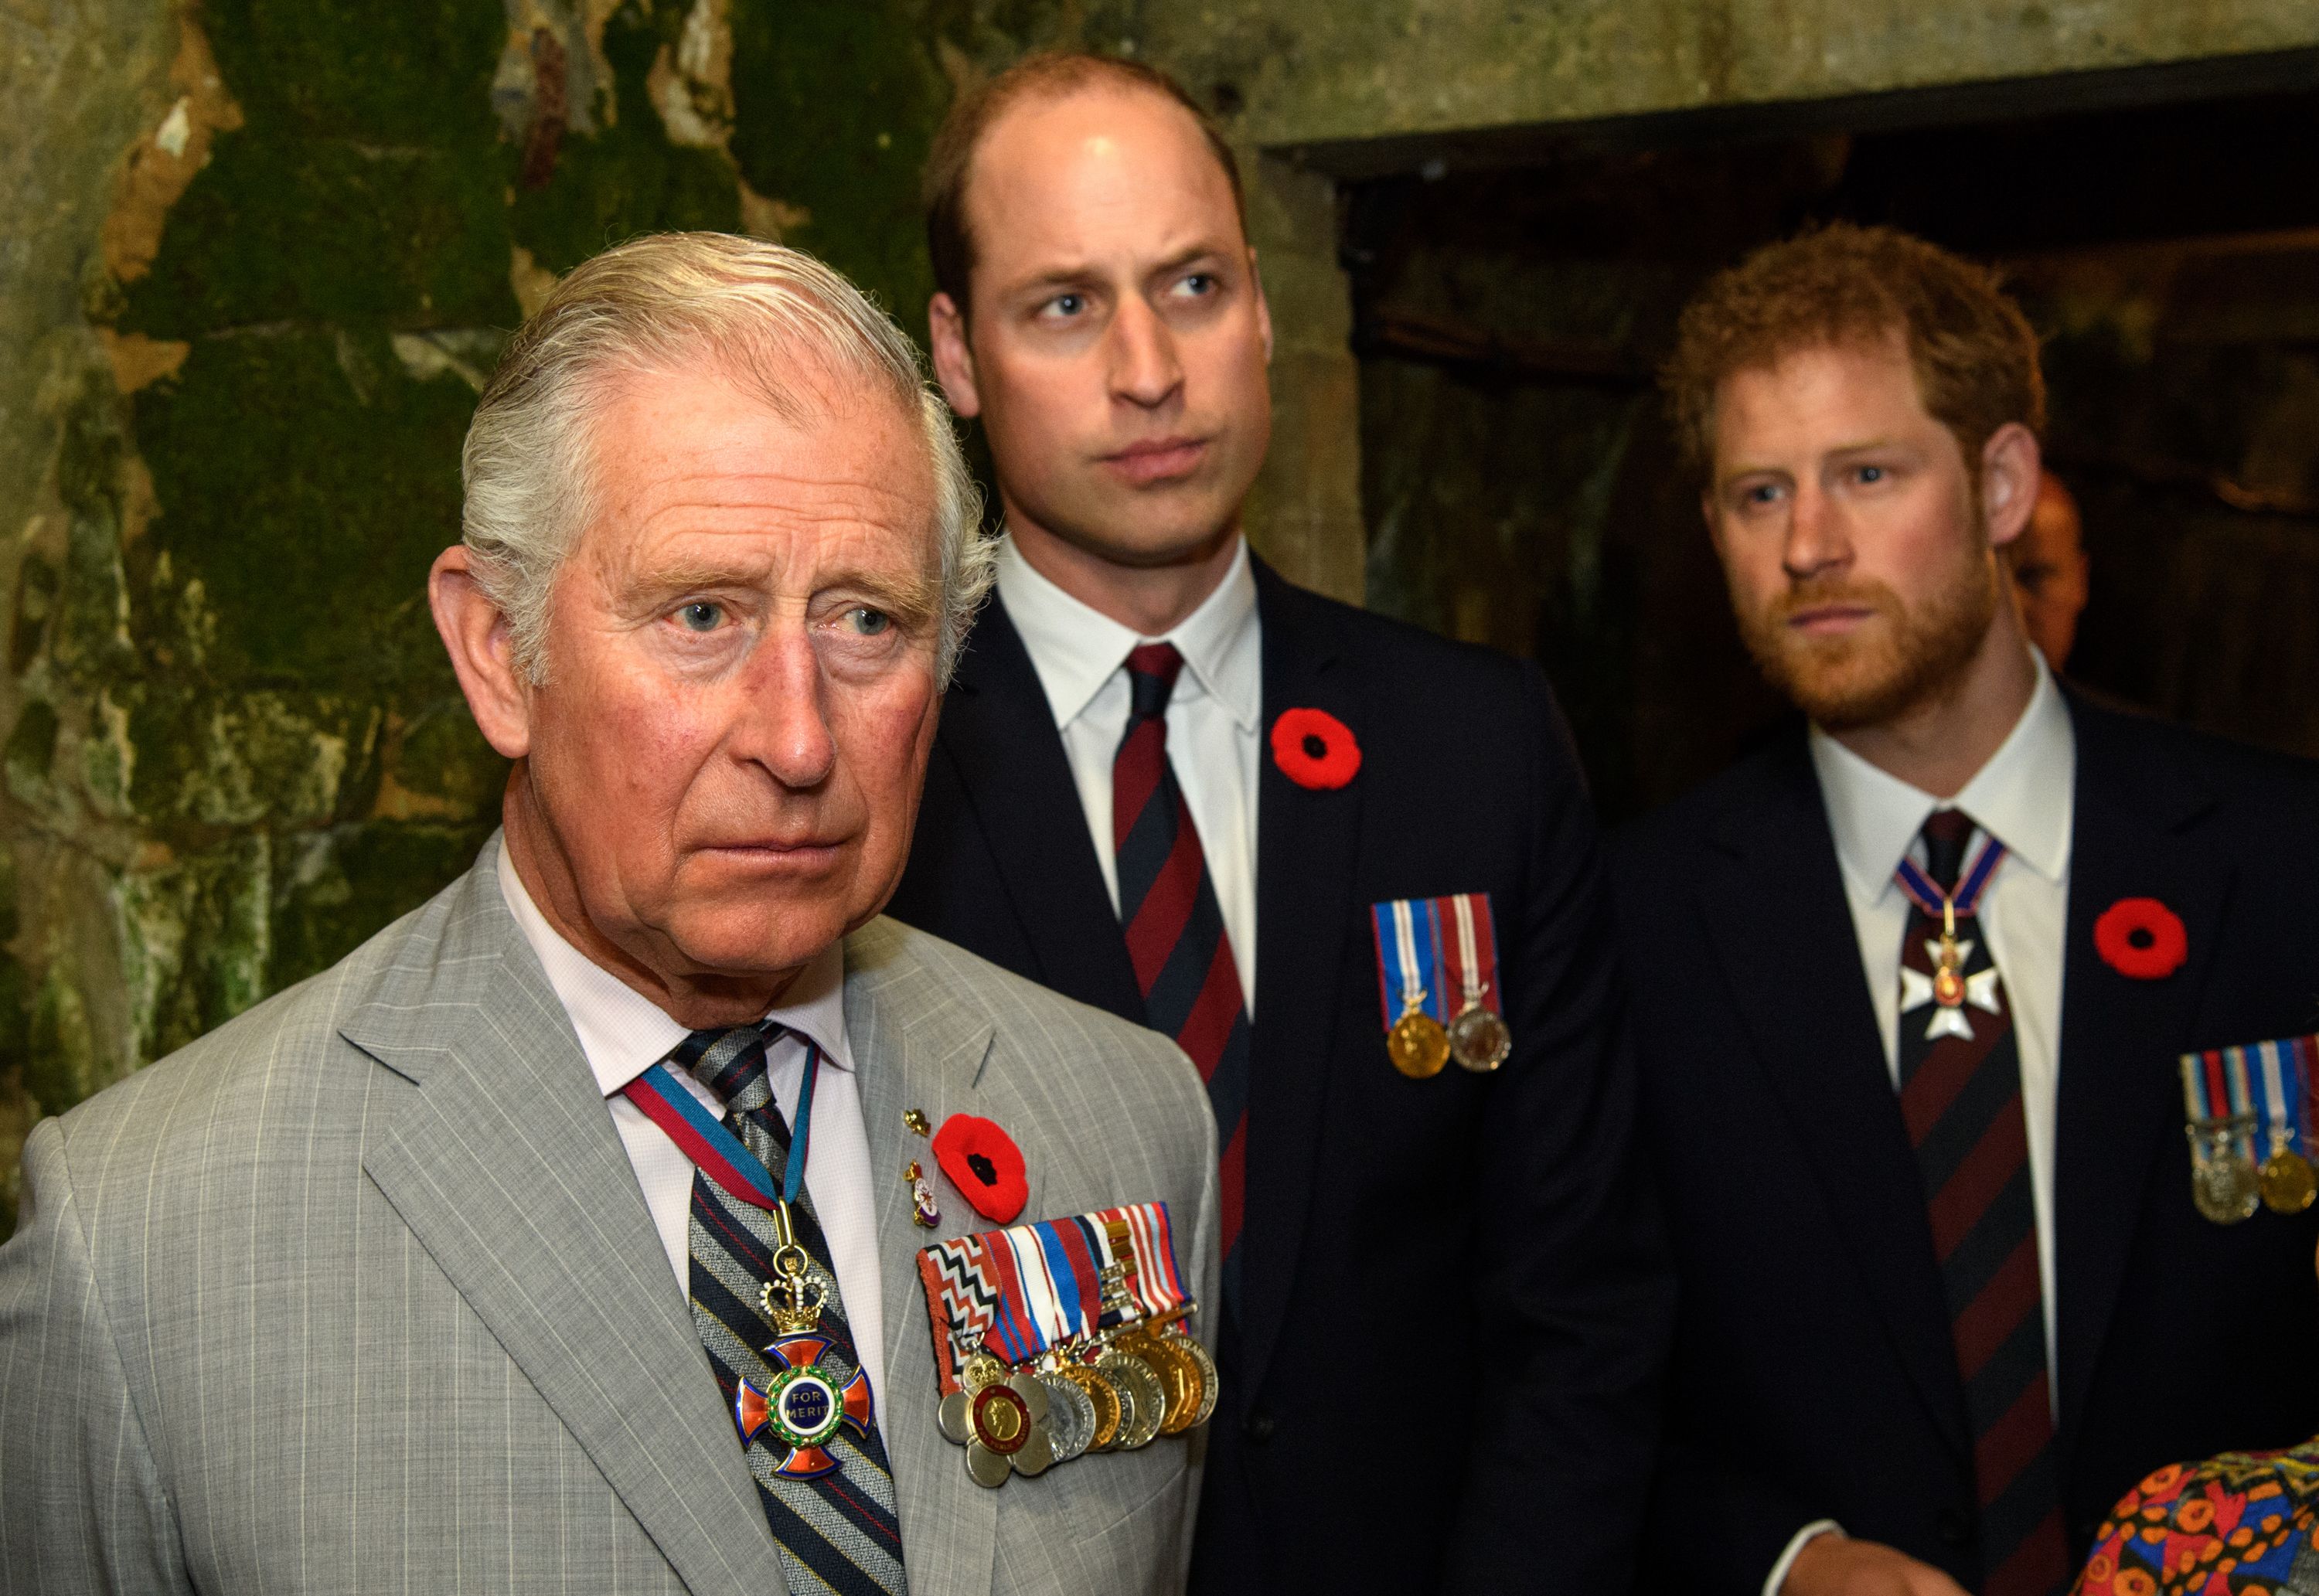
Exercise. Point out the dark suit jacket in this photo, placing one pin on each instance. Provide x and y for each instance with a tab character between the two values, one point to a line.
1446	1361
1814	1375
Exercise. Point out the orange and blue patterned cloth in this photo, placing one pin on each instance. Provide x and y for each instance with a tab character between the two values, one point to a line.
2243	1524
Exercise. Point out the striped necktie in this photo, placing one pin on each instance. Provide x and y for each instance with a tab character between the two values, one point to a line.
1175	930
838	1532
1961	1097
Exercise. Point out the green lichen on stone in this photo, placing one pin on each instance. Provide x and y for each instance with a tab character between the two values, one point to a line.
310	519
199	937
833	109
60	1064
443	756
338	889
627	178
281	228
32	750
408	72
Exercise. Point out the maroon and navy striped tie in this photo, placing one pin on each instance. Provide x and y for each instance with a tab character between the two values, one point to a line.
1960	1096
1175	930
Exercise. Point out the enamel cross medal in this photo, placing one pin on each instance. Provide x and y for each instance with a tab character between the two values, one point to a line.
807	1399
1948	990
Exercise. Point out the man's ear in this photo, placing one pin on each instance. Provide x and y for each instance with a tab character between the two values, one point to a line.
1263	305
954	357
2010	465
483	651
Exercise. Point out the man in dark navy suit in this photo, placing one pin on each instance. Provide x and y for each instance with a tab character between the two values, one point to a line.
1171	784
1912	986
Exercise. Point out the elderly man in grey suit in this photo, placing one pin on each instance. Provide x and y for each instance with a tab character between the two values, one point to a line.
567	1235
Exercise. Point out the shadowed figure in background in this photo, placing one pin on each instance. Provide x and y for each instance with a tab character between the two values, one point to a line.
2050	572
1914	983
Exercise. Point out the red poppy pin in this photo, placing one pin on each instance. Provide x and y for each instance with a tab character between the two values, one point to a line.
983	1162
2142	939
1314	749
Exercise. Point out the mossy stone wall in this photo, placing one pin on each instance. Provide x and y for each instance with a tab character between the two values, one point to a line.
271	250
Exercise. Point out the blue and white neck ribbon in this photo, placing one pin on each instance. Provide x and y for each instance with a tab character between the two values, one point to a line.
1928	897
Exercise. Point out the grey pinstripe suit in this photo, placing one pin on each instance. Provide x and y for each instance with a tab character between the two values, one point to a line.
358	1292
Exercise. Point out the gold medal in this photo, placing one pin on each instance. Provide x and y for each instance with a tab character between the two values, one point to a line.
1479	1040
1211	1383
2288	1183
1417	1045
1179	1378
1105	1396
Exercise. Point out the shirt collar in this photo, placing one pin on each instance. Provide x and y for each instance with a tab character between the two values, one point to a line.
2022	796
1077	649
625	1033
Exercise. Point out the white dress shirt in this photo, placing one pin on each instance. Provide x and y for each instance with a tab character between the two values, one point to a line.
2023	796
624	1033
1214	721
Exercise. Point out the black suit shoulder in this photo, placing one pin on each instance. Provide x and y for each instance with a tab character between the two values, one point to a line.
2145	755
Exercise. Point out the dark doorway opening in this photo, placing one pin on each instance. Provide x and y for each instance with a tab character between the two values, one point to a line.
1513	299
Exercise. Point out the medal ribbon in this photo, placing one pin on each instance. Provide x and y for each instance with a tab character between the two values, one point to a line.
1018	1291
2278	1064
1475	945
1929	897
713	1148
1409	958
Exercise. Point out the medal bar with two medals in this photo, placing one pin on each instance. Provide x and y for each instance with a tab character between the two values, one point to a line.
1425	947
2230	1096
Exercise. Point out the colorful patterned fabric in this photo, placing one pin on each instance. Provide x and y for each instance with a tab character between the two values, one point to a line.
2242	1523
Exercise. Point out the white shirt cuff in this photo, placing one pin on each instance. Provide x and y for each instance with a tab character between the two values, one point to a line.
1809	1533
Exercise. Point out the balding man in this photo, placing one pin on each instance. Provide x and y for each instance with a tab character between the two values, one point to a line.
1350	866
569	1234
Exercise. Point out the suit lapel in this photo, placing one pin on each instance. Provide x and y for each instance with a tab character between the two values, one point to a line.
1001	738
918	1046
506	1166
2118	1096
1306	843
1772	897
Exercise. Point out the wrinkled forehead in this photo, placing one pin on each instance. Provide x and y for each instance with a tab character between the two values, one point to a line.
708	456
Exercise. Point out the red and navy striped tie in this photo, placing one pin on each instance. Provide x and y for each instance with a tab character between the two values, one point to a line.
1175	930
1960	1096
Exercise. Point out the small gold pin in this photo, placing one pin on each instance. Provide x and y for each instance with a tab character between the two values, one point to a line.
916	1120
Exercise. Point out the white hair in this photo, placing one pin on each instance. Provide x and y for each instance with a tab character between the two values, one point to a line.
781	321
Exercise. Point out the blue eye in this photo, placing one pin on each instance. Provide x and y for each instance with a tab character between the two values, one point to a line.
1872	473
870	622
1200	282
1068	304
701	616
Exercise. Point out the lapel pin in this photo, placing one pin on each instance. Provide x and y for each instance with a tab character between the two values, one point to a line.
985	1165
2142	939
1314	749
915	1119
922	1195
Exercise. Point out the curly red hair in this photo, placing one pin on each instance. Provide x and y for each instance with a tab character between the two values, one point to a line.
1974	353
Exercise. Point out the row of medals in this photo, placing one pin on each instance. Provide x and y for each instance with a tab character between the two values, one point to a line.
2227	1183
1113	1392
1420	1045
